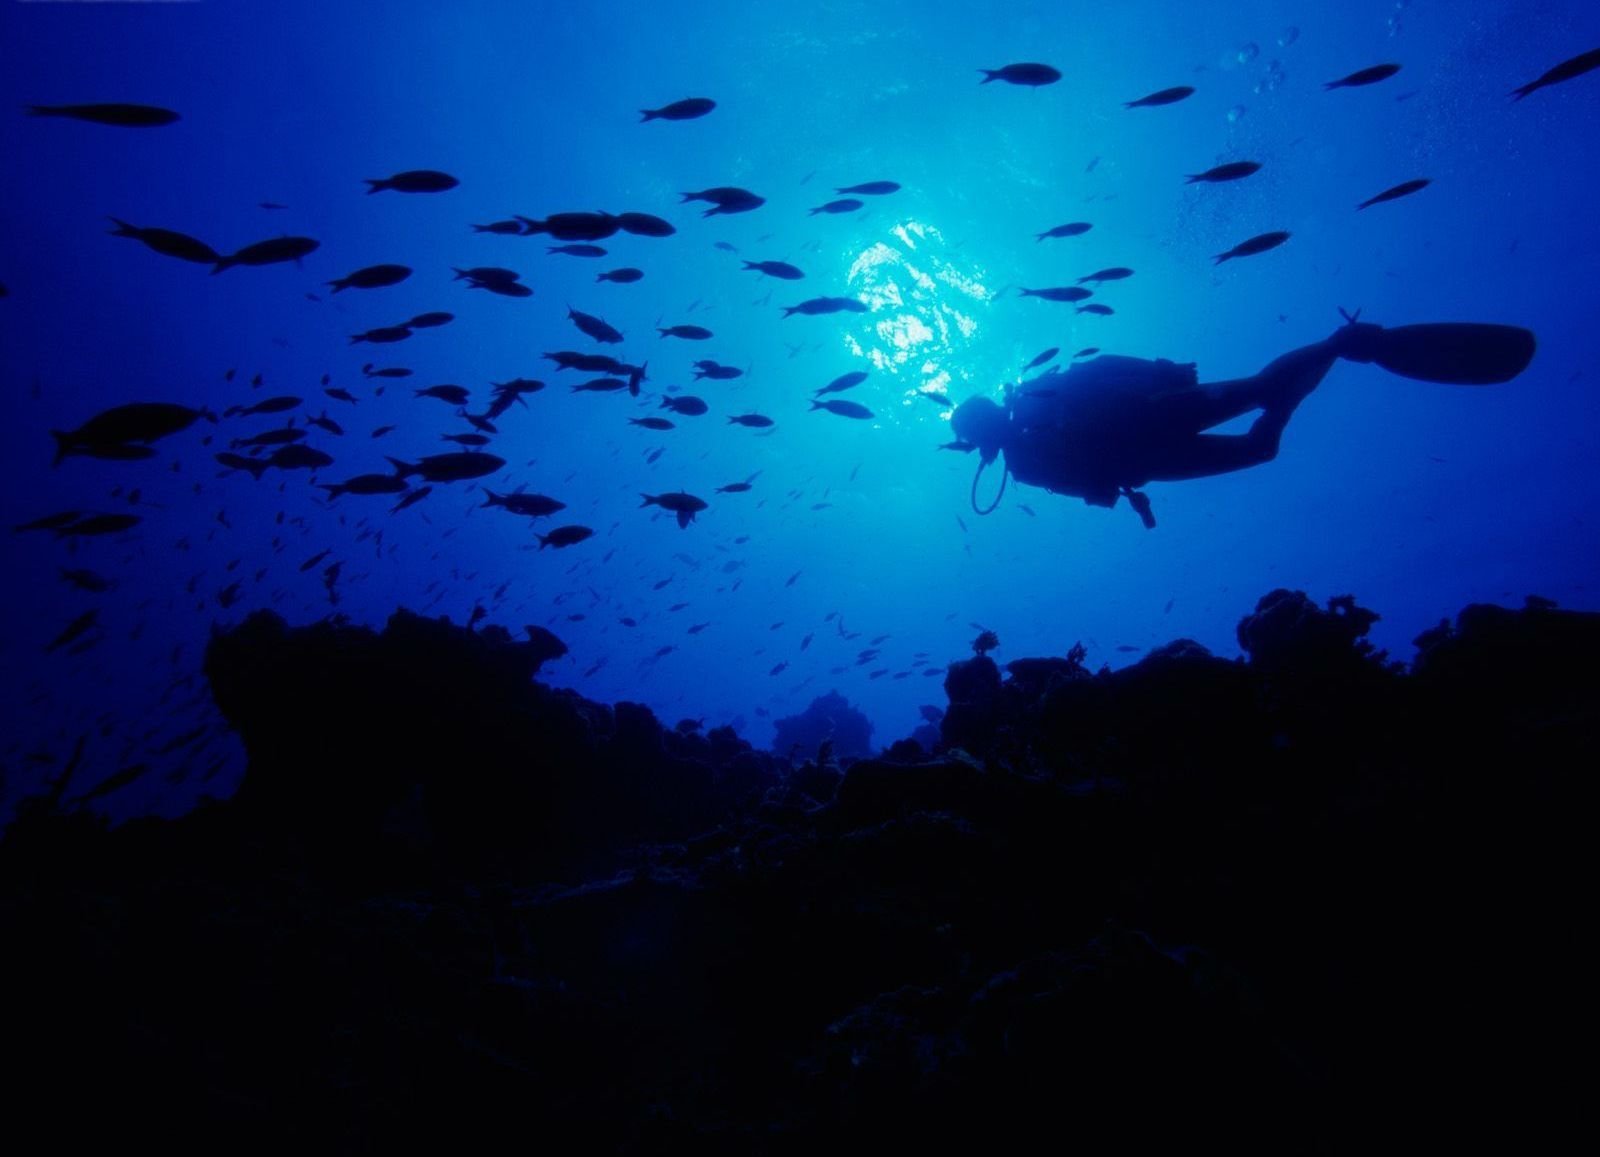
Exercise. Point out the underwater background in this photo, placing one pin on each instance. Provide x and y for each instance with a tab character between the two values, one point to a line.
856	535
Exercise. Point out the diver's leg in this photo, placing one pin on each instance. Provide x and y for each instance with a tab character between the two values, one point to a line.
1202	455
1283	383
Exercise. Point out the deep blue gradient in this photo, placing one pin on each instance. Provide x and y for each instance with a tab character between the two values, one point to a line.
1417	498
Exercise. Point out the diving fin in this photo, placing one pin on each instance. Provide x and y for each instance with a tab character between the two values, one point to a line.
1461	353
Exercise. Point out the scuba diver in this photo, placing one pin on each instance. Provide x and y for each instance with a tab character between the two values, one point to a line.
1106	427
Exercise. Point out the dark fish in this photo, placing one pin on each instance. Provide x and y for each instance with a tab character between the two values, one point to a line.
383	334
372	277
380	431
564	536
431	319
413	181
871	188
625	276
256	466
1071	229
726	199
687	332
339	394
644	225
269	406
779	269
679	110
87	580
527	505
685	506
725	246
734	488
1116	273
98	524
962	447
269	252
821	305
715	371
843	205
49	522
314	560
270	205
1165	96
1253	246
843	409
594	327
117	453
842	383
1027	73
1086	352
124	116
299	458
587	363
326	423
278	437
573	226
577	250
754	421
1232	171
1366	76
942	400
652	423
1566	70
1042	358
479	422
509	228
1057	293
386	372
687	405
1097	309
600	386
366	484
168	242
415	496
485	275
455	467
504	289
1404	189
112	429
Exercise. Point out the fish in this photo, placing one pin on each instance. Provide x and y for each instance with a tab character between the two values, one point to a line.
600	386
1097	309
1258	244
410	499
686	404
269	252
1057	293
431	319
594	327
383	334
487	275
168	242
688	109
1364	77
960	447
1027	73
1071	229
563	536
255	466
779	269
95	525
735	488
652	423
124	116
108	433
372	277
843	382
843	408
644	225
577	250
298	457
779	668
687	332
49	522
1087	351
326	423
1232	171
726	199
1116	273
573	226
269	406
454	467
453	394
1404	189
386	372
380	431
754	421
871	188
314	560
527	505
587	363
939	399
624	276
1165	96
340	394
413	181
1566	70
716	371
1042	358
503	289
86	580
366	484
508	228
817	306
842	205
682	504
465	439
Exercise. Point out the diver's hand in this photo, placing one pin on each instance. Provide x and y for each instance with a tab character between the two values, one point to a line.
1356	340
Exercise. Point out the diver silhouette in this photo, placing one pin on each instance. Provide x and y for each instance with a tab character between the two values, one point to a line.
1103	428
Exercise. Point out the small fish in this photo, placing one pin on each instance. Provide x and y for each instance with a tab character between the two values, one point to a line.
168	242
431	320
779	269
726	199
414	497
372	277
74	630
843	408
685	506
455	395
465	439
527	505
1086	352
563	536
600	386
339	394
1404	189
95	525
1097	309
86	580
577	250
453	467
381	431
755	421
939	399
1165	96
1566	70
624	276
1116	273
1057	293
269	406
686	404
326	423
652	423
413	181
1365	76
1250	248
842	205
366	484
386	372
644	225
508	228
687	332
269	252
960	447
1027	73
871	188
1042	358
817	306
843	382
716	371
725	246
270	205
1232	171
687	109
125	116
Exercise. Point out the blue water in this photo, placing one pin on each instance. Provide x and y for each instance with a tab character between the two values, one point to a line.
1417	498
